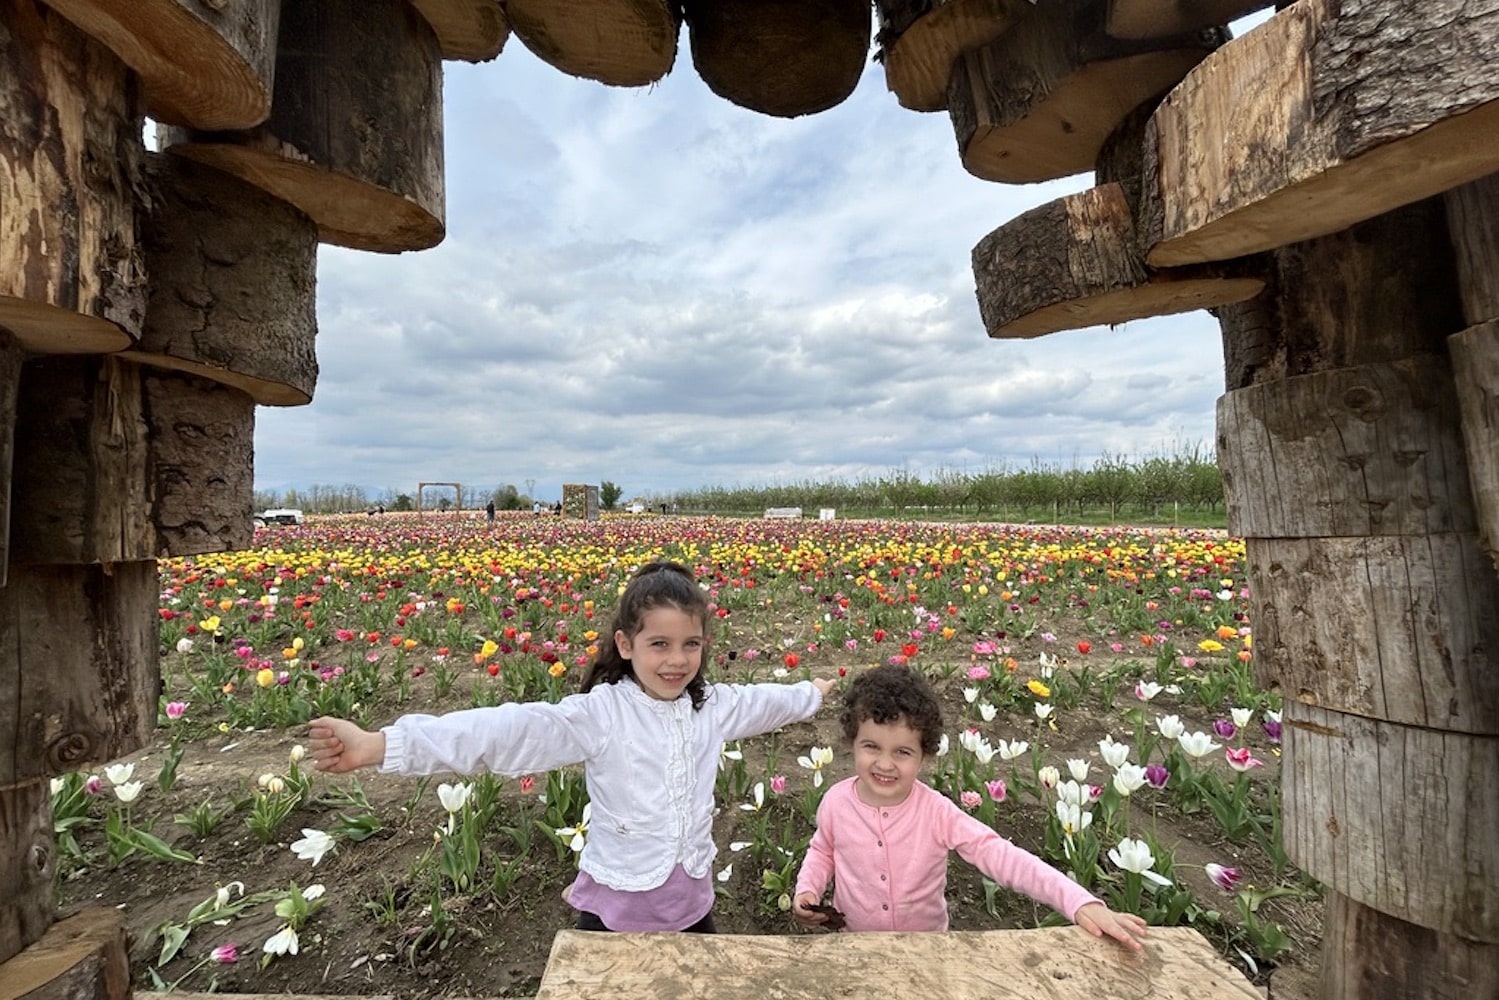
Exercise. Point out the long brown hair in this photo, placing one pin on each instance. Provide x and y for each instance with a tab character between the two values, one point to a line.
659	584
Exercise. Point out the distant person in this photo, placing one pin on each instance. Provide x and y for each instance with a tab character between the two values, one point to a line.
536	506
557	507
648	729
883	836
489	512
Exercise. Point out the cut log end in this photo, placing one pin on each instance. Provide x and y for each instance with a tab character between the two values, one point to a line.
919	61
1161	295
467	30
348	211
616	43
265	392
44	329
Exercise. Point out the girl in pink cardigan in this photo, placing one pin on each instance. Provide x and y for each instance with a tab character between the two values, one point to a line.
883	835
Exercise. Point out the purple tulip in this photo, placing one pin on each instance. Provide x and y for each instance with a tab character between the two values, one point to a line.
1157	776
1272	730
1225	729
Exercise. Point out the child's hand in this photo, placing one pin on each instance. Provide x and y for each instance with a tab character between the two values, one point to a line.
1098	920
826	687
804	916
339	745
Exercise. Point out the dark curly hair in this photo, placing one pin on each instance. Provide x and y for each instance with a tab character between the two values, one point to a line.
894	694
659	584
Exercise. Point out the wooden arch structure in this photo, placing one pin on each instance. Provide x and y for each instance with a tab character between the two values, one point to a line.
1326	184
457	494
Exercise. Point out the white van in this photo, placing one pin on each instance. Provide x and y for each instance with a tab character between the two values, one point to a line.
278	515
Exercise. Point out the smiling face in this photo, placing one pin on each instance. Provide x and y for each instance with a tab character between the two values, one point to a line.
887	760
666	653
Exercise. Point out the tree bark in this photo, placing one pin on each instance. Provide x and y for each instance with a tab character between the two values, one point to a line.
70	271
207	65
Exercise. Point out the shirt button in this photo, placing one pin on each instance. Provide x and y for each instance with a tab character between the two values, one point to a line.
879	843
882	878
884	906
886	815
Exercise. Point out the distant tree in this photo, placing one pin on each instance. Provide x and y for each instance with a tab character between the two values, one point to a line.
507	497
403	501
609	494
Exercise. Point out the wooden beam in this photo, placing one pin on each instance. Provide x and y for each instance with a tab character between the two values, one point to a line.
470	30
1074	263
28	863
355	135
1040	101
207	65
233	283
84	955
1163	18
1332	112
1060	962
919	58
779	57
624	43
1398	818
70	281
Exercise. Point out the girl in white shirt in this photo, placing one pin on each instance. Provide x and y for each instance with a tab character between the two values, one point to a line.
647	728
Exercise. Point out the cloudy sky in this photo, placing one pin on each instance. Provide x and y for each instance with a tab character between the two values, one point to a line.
658	288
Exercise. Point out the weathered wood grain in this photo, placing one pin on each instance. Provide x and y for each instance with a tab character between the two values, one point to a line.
919	54
355	135
1369	955
1398	818
1160	18
1369	450
1332	112
79	673
470	30
1074	263
81	956
1397	627
207	65
1473	218
1039	102
28	863
1062	963
624	43
233	283
11	358
1475	363
70	271
779	57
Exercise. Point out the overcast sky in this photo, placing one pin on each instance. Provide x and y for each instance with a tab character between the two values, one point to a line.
658	288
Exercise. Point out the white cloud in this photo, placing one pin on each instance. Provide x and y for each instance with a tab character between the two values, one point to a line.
658	288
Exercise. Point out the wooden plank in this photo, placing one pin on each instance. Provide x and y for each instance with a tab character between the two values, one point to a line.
1074	263
1397	627
1039	102
1366	953
1331	112
83	955
1475	362
208	65
1397	818
1063	963
1160	18
624	43
1373	449
355	134
28	862
470	30
78	490
233	283
79	666
70	281
919	58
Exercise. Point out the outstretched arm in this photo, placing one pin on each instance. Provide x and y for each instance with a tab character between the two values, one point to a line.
1098	920
339	745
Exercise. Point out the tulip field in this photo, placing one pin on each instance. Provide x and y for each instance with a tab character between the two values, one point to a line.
1097	687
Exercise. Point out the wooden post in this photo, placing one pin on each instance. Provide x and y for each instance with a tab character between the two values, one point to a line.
11	356
1375	613
81	956
27	864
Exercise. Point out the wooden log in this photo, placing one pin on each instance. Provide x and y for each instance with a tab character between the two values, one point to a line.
233	280
1368	450
200	464
1367	954
1163	18
779	57
79	671
207	65
1074	263
1039	102
919	53
355	134
27	865
469	30
11	357
78	489
84	955
1396	627
1473	219
1398	818
70	271
624	43
1332	112
1059	962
